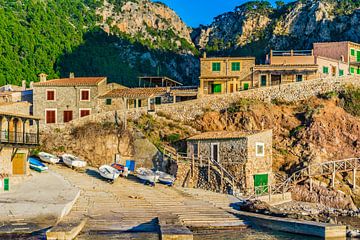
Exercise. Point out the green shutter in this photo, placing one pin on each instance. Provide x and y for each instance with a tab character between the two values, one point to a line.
261	183
108	101
352	52
325	70
6	184
158	100
358	71
341	72
216	88
246	86
352	70
358	56
216	67
235	66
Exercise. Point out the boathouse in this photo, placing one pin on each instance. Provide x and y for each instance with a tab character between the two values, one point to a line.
246	156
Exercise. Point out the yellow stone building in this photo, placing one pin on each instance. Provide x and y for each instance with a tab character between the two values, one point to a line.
225	74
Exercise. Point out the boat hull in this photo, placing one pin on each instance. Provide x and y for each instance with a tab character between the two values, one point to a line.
109	172
48	158
73	162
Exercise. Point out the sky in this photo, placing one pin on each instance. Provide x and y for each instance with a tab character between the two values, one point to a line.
196	12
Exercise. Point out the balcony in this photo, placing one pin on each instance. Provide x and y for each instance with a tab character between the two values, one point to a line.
292	57
19	131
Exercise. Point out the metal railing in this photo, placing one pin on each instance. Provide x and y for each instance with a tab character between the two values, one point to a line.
13	137
292	53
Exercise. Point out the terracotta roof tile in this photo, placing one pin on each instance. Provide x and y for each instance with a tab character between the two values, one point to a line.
222	135
78	81
133	93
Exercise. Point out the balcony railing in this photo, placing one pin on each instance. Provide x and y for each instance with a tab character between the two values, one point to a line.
19	138
292	53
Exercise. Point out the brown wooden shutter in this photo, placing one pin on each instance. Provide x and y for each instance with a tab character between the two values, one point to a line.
85	96
68	116
50	95
50	116
84	113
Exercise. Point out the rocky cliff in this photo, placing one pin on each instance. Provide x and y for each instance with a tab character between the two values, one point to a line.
255	27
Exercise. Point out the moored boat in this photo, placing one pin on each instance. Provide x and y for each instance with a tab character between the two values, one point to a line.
147	175
109	172
36	165
48	158
165	178
121	168
72	161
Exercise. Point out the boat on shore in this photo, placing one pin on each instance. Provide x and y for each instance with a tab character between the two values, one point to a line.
109	172
72	161
147	176
36	165
165	178
121	168
48	158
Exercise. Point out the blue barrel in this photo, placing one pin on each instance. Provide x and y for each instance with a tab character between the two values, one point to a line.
130	164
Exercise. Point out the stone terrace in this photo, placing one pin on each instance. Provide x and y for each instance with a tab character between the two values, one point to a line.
187	111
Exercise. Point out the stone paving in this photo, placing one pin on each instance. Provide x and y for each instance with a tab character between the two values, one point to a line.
129	206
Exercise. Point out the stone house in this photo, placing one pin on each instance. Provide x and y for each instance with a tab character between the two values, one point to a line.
347	52
246	155
19	132
225	74
62	100
128	98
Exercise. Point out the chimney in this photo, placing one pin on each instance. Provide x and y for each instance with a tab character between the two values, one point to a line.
72	75
42	77
204	55
23	85
31	86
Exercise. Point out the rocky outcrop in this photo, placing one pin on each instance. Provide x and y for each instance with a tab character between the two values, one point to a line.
148	21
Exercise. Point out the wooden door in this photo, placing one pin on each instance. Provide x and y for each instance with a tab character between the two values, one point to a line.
68	116
19	164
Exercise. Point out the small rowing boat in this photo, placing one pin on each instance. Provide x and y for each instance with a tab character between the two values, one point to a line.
36	165
147	175
48	158
72	161
109	172
121	168
165	178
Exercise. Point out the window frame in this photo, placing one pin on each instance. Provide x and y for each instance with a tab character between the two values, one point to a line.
302	77
51	109
213	68
256	149
51	90
108	101
238	66
85	90
84	109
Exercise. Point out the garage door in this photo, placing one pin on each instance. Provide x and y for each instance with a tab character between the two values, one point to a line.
19	164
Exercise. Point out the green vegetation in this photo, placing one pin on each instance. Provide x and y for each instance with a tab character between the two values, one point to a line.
351	100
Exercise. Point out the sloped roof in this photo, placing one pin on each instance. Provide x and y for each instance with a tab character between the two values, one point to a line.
222	135
134	93
78	81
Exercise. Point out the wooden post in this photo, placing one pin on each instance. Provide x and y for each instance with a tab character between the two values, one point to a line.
222	181
192	165
333	176
209	169
354	178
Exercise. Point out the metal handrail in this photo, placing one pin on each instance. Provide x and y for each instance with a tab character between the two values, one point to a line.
14	137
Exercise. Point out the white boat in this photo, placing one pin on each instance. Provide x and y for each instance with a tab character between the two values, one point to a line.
48	158
72	161
147	175
165	178
109	172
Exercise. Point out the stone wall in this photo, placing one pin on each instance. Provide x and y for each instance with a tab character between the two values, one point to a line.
16	108
189	110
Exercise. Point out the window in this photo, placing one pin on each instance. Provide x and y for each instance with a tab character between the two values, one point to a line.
260	150
246	86
216	67
50	116
68	116
235	66
358	71
299	78
341	72
326	70
108	101
215	152
263	81
85	95
158	100
84	112
352	52
352	70
50	95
